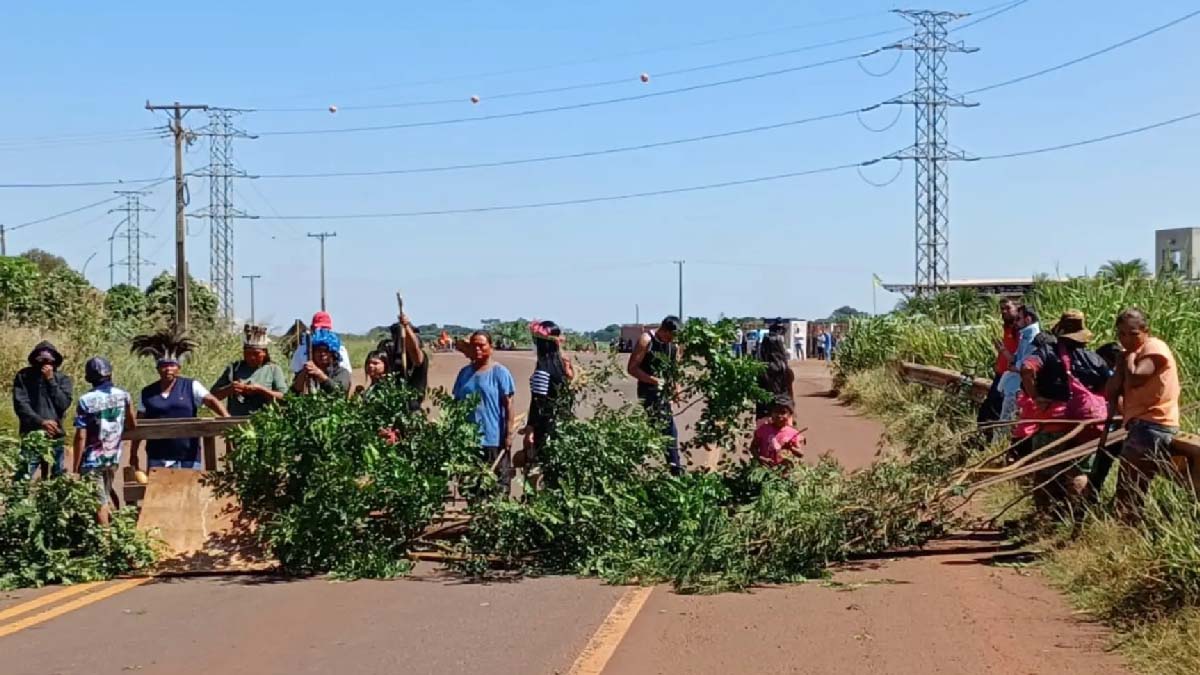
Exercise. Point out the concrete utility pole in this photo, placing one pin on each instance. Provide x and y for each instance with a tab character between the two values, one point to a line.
322	236
3	241
181	271
680	264
252	277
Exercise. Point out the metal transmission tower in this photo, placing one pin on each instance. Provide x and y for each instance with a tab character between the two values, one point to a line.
132	209
931	150
220	210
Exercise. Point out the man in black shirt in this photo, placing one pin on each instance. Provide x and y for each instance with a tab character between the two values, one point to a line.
652	364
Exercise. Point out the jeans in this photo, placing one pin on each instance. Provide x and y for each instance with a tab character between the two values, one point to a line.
659	412
1147	450
989	410
47	470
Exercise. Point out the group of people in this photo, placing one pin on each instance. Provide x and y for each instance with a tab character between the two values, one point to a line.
43	394
1050	383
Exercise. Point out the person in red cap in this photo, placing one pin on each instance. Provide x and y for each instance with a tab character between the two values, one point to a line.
320	321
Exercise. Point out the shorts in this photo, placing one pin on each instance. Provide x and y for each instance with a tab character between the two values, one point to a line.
1147	440
103	477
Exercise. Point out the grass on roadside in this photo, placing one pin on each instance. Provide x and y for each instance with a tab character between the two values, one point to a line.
1143	582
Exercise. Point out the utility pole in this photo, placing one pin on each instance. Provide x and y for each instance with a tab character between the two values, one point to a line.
679	263
322	236
220	210
3	241
931	150
252	277
637	314
132	209
181	272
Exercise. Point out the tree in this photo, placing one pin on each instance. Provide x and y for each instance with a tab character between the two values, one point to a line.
1124	272
606	334
845	313
160	300
124	302
46	262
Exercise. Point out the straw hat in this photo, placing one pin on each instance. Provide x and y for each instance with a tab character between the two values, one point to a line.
1071	326
256	336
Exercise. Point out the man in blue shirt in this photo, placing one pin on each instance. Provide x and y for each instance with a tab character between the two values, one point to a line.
494	385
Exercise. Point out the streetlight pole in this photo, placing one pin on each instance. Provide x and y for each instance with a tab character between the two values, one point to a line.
252	277
111	262
679	263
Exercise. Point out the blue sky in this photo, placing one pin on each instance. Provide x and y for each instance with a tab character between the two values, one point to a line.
793	247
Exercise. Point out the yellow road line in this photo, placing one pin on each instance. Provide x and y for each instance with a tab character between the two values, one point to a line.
604	642
49	598
27	622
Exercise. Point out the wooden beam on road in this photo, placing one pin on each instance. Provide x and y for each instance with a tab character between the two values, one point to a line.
206	427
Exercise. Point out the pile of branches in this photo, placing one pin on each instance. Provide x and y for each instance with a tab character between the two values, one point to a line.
48	529
359	488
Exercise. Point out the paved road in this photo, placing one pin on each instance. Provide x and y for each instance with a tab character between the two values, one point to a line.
948	611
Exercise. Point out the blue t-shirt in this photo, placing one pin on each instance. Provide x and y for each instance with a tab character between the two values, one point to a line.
491	385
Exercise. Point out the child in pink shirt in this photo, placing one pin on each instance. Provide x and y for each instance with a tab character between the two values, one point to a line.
776	441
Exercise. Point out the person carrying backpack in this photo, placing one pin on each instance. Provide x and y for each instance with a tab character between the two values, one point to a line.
1063	380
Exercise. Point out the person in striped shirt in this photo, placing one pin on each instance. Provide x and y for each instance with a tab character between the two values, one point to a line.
549	388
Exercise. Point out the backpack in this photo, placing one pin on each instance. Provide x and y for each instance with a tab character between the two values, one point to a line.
1090	369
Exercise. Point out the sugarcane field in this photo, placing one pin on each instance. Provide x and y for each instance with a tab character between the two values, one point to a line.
729	409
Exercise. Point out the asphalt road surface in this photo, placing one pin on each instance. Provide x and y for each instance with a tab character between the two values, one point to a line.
949	610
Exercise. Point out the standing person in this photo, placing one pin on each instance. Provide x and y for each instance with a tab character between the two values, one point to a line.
413	368
493	415
171	397
739	339
1006	350
1062	379
324	372
375	368
101	418
41	396
651	363
1010	382
1147	381
827	344
253	382
550	394
778	380
320	321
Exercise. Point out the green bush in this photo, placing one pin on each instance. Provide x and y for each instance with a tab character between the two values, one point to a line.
48	529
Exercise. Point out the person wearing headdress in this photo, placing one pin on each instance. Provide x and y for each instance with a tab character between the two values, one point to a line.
171	397
324	371
253	382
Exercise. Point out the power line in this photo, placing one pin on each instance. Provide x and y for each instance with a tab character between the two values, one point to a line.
572	202
617	55
1085	57
574	155
598	83
712	186
573	106
1090	141
1000	9
77	209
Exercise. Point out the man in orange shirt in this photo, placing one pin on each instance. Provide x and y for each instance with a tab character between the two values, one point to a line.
1147	380
1006	348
